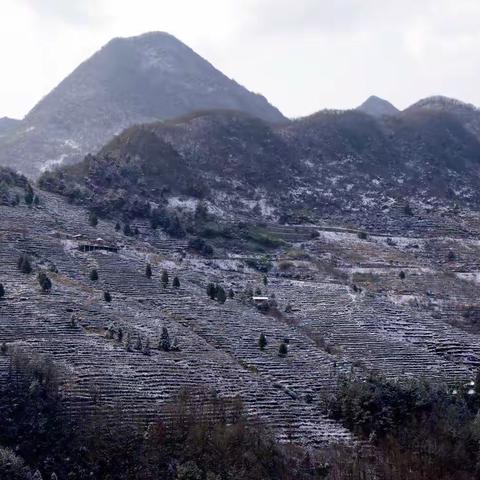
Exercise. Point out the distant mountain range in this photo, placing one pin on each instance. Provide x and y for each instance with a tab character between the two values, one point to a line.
215	125
129	81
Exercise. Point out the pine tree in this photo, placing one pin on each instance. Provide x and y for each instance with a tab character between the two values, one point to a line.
258	292
44	282
93	219
117	227
36	200
120	335
165	279
231	294
2	290
23	264
221	295
127	230
283	350
29	195
107	297
262	342
148	271
402	275
165	343
211	291
3	348
176	282
138	343
265	280
94	275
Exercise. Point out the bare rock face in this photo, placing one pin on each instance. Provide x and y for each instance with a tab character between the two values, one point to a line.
129	81
377	107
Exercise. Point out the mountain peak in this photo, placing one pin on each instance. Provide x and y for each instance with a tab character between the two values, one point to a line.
134	80
440	102
377	107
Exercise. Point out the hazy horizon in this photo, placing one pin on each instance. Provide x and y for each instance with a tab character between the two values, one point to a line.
302	58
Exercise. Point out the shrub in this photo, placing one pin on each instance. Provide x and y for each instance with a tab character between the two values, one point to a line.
94	275
362	235
107	297
176	282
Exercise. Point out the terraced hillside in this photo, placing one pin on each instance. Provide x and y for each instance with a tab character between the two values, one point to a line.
344	305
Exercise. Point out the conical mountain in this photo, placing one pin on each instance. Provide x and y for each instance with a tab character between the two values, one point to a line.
129	81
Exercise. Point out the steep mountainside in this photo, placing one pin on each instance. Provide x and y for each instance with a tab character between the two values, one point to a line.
7	125
332	163
129	81
377	107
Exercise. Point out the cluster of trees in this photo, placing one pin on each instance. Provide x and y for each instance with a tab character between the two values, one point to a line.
218	293
420	430
198	436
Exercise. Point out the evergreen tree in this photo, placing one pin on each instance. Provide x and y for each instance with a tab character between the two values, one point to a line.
117	227
211	291
402	275
36	200
165	343
3	348
120	335
262	342
148	271
107	297
29	195
258	292
24	265
165	279
138	344
37	476
265	280
2	291
127	230
44	282
231	294
221	295
93	219
283	350
94	275
176	282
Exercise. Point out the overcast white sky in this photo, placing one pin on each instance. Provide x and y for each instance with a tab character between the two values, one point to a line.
303	55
